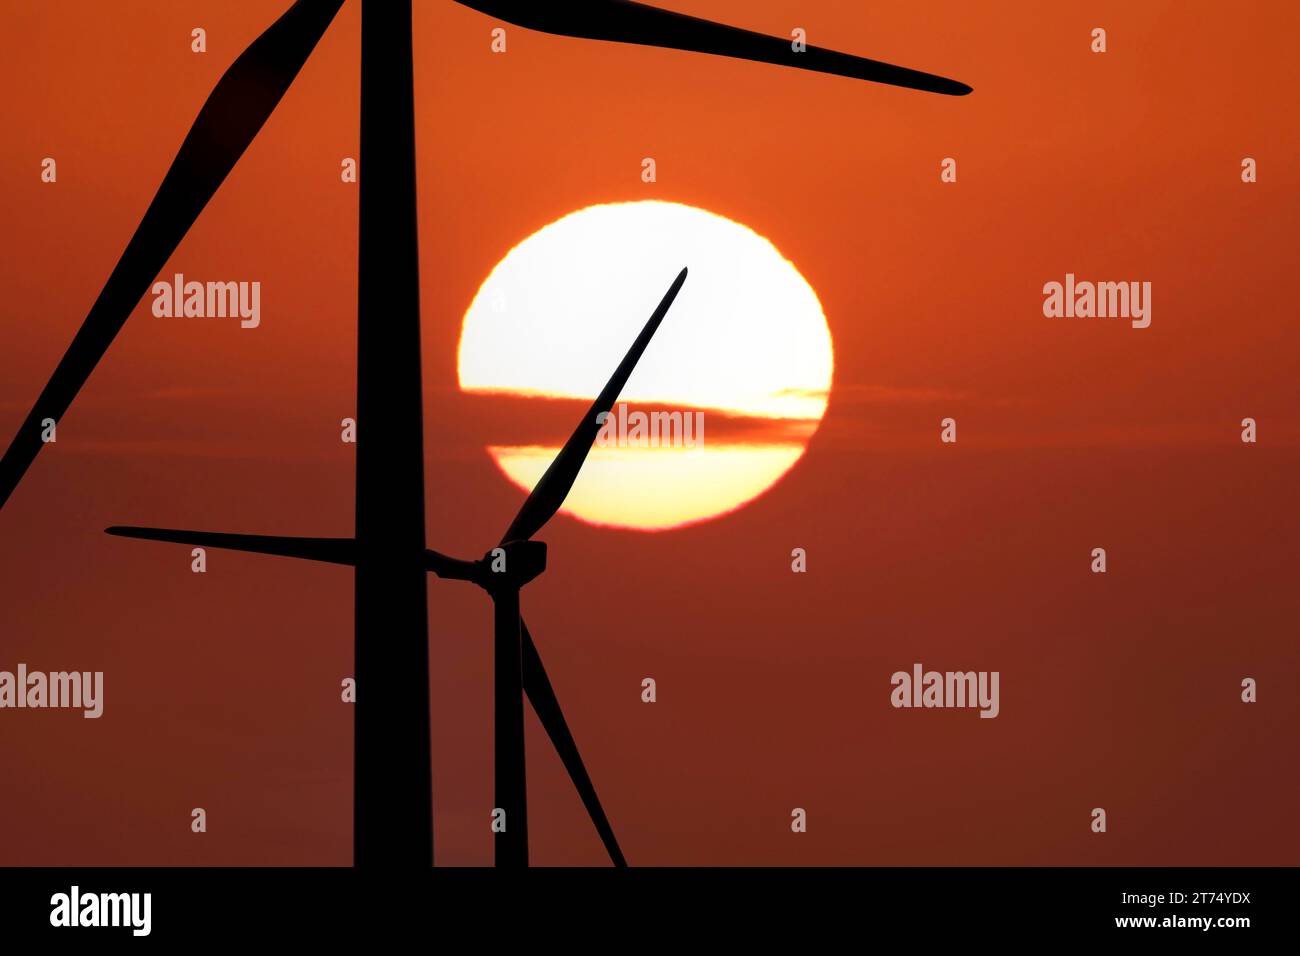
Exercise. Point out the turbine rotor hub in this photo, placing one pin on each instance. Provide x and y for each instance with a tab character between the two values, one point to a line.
510	565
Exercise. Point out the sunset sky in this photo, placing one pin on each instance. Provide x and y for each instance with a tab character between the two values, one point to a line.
1119	690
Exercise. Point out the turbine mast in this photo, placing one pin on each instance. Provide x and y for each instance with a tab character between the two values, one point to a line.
393	775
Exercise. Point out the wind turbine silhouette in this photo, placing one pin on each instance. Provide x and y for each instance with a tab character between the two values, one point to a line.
502	573
393	775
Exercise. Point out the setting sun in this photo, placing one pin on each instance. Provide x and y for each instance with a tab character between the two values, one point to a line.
745	345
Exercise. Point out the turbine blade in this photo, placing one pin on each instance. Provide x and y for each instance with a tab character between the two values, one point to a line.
453	569
548	495
547	708
232	116
330	550
623	21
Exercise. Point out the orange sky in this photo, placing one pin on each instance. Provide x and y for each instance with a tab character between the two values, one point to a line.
1118	691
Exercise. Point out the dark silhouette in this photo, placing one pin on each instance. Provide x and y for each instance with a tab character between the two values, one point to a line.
393	788
502	572
623	21
524	561
232	116
393	780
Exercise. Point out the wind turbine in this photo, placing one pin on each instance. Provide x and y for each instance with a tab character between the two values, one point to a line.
502	573
393	784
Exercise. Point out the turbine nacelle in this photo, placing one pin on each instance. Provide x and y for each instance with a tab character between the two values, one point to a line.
510	566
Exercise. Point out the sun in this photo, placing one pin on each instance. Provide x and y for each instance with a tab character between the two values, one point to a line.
745	352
